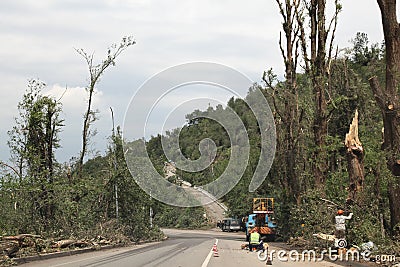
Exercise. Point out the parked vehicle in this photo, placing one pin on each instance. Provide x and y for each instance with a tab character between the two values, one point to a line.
229	225
262	219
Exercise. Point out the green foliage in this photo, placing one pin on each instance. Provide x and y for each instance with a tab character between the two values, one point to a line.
44	197
362	54
33	141
176	217
314	214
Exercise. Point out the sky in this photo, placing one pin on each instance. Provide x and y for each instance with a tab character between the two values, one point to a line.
39	39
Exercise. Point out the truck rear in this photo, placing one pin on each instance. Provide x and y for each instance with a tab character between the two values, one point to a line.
262	219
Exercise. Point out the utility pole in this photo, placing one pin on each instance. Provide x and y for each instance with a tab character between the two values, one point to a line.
208	146
115	165
151	213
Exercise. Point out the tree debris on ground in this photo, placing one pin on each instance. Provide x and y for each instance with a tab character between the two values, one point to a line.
25	245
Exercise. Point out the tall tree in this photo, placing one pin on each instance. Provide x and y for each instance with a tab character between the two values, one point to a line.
288	112
317	54
19	133
35	135
37	127
95	72
388	100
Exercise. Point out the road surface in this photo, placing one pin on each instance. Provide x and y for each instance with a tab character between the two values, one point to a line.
215	210
185	248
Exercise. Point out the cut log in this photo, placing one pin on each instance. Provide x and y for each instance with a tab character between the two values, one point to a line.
64	243
355	161
20	237
82	243
71	242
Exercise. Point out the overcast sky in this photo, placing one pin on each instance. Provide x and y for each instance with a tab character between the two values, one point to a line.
39	37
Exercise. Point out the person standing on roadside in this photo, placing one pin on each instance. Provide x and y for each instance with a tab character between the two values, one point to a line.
340	224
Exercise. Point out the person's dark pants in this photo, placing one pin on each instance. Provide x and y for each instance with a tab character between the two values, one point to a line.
251	246
339	234
257	246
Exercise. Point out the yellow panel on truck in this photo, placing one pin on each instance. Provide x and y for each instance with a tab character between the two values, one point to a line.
263	205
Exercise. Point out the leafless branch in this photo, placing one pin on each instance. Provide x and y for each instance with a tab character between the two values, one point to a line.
334	22
268	80
281	48
12	168
302	36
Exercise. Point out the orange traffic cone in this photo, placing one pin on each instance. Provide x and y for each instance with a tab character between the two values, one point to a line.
215	250
269	260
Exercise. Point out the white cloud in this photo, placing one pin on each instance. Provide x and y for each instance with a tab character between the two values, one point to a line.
73	98
74	102
39	38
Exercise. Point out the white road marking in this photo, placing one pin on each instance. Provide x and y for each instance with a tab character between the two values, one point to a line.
207	260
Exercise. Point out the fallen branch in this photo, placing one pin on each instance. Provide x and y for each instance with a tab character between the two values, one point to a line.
71	242
325	236
64	243
20	237
329	201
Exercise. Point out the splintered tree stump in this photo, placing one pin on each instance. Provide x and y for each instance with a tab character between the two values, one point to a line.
355	160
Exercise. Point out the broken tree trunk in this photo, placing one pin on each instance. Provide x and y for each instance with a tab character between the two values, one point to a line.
355	160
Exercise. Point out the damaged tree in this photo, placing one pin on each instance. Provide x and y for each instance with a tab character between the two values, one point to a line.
95	72
285	97
355	161
33	142
388	100
317	50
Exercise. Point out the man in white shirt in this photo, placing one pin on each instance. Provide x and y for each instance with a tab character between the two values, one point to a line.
340	225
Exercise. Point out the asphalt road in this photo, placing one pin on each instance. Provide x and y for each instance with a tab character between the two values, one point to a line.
214	209
184	248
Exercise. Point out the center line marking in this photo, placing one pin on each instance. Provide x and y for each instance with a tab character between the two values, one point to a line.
207	260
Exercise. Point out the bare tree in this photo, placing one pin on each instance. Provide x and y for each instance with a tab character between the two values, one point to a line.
317	48
288	111
95	72
388	101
